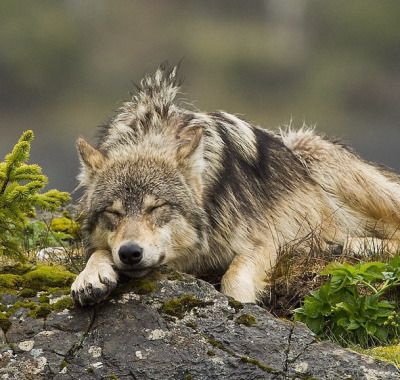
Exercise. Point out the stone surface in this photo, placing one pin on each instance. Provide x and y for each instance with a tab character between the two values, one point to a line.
135	336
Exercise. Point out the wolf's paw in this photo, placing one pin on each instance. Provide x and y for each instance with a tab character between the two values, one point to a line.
94	284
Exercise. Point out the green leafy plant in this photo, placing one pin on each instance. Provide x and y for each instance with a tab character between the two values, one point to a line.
354	306
21	197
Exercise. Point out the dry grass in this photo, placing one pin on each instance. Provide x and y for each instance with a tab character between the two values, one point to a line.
297	271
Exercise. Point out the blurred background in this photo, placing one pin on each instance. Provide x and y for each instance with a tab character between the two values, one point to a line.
65	65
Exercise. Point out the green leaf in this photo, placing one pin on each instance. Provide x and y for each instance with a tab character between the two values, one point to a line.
371	328
353	325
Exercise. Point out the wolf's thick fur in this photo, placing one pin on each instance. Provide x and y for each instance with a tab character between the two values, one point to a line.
208	192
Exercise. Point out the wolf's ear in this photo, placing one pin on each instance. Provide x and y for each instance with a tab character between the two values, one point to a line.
188	138
91	158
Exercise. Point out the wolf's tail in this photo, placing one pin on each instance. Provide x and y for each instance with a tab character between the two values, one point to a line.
364	189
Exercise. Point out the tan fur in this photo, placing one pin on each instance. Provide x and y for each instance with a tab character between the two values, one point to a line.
208	192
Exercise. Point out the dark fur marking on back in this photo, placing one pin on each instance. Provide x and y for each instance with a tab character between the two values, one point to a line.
239	175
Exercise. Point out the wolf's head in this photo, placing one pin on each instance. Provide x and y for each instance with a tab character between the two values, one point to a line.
142	184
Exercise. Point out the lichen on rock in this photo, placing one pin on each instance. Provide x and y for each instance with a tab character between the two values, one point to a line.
178	329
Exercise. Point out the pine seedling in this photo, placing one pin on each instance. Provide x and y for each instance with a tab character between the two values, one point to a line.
20	196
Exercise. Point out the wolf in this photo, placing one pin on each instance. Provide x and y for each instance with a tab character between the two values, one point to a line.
211	193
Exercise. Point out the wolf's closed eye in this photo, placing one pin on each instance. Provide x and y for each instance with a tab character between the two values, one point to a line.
113	214
157	207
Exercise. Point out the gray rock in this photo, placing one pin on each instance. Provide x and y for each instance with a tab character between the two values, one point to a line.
196	336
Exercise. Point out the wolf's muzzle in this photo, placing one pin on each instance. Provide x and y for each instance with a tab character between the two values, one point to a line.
130	254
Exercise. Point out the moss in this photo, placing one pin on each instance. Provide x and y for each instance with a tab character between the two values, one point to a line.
113	376
144	286
48	276
262	366
191	324
41	311
27	293
23	304
235	304
60	291
18	268
44	299
4	290
388	353
175	276
63	303
246	319
217	344
177	307
63	364
188	375
10	280
211	353
4	322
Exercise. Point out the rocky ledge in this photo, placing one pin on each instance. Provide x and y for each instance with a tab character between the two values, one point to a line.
171	327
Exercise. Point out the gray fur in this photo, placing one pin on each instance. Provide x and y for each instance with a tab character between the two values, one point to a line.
227	195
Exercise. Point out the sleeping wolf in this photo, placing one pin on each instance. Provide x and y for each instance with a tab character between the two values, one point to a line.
210	193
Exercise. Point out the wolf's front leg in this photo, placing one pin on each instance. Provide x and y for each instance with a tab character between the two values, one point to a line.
96	281
245	278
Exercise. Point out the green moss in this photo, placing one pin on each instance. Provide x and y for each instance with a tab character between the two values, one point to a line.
44	299
18	268
191	324
144	285
61	291
4	290
63	303
113	376
10	280
211	353
246	319
41	311
48	276
63	364
27	293
262	366
4	322
23	304
217	344
177	307
175	276
188	375
387	353
235	304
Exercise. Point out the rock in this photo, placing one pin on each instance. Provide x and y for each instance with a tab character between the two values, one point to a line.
177	328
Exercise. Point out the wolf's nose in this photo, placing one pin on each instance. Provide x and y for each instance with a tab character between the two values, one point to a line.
130	254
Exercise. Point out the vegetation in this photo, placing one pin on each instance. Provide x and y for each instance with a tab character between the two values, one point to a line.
178	307
39	278
236	305
246	319
389	353
355	306
34	288
20	198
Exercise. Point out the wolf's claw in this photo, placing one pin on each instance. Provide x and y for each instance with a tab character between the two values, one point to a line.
94	284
